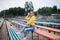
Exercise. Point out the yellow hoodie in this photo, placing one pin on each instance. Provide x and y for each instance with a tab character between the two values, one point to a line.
30	20
27	18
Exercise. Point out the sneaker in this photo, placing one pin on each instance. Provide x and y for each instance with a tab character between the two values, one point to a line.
24	38
18	32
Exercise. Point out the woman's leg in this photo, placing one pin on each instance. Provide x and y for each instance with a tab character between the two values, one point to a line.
24	28
28	29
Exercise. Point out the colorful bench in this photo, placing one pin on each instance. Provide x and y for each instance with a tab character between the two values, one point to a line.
45	34
12	33
49	24
49	29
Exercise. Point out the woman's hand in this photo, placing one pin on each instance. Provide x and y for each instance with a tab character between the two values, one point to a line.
28	14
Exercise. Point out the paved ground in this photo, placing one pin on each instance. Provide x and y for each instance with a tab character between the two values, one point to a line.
3	33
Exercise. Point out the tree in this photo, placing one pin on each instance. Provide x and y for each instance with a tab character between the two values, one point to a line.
31	6
48	10
45	10
54	9
16	11
26	7
58	11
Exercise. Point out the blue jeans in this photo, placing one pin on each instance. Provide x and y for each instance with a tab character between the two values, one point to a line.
26	29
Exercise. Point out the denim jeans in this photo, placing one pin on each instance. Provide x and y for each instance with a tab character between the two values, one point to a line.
27	28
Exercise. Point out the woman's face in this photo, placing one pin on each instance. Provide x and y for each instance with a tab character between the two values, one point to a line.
31	13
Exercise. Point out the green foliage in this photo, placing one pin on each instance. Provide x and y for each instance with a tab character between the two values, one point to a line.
28	7
54	9
58	11
16	11
45	10
48	10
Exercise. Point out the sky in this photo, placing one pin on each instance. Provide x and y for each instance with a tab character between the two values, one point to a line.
6	4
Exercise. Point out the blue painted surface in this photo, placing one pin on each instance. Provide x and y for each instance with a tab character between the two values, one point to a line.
13	35
54	21
17	36
11	38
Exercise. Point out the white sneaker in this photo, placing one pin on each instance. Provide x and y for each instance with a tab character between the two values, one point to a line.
24	38
18	32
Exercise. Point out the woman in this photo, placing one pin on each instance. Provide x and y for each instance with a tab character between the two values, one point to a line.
29	25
